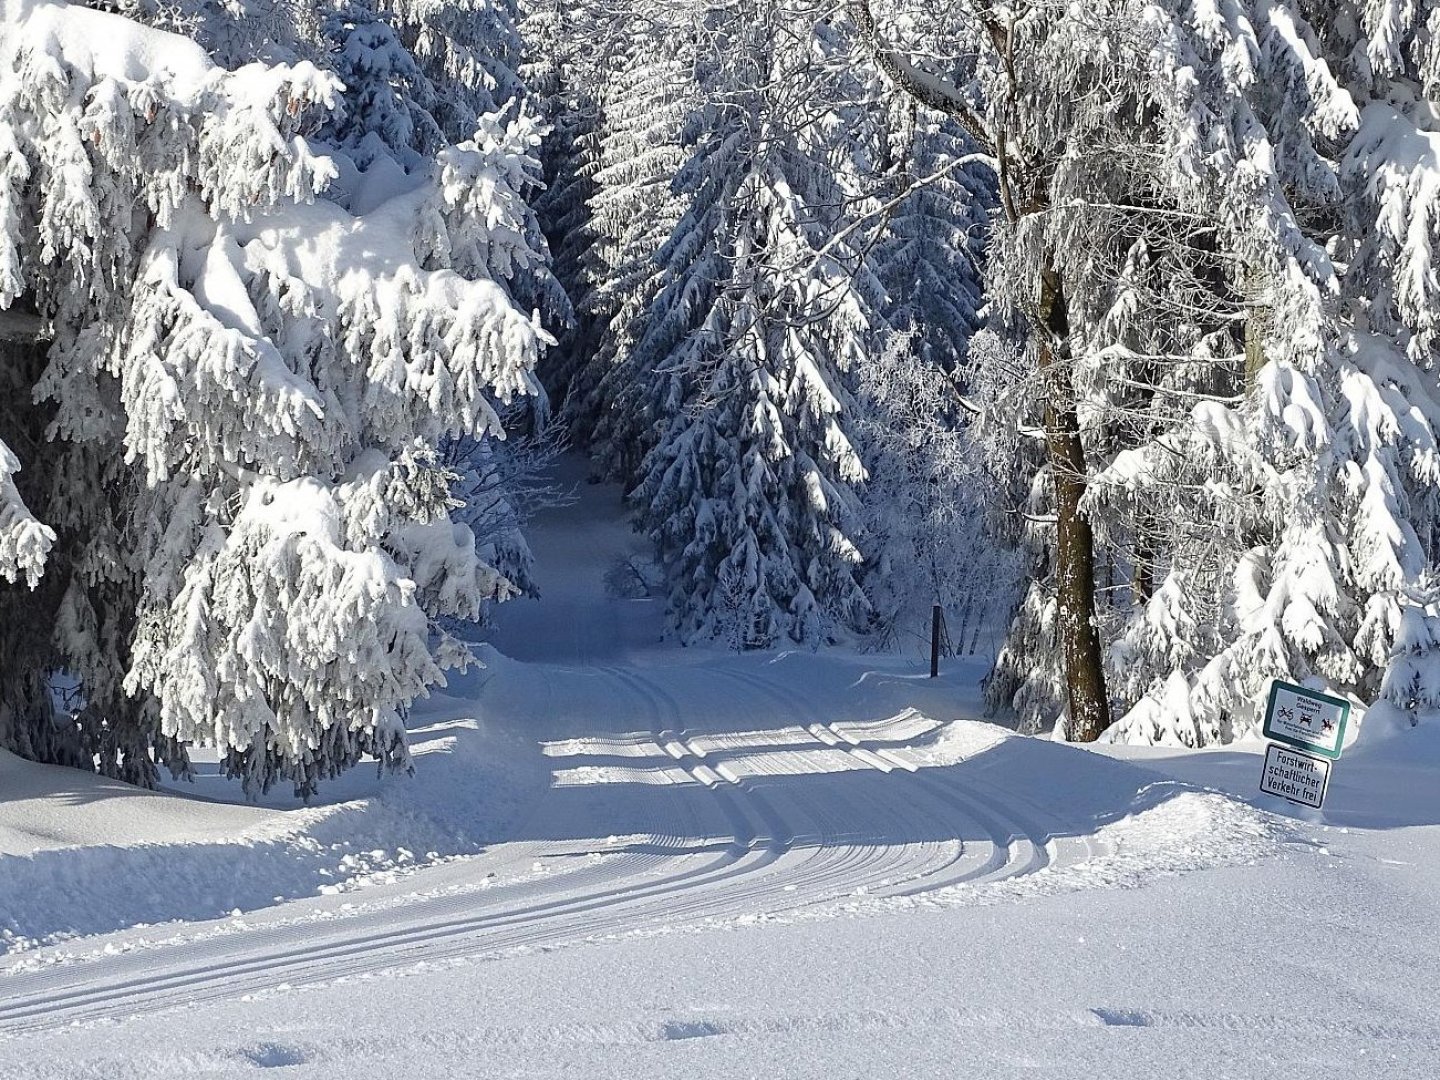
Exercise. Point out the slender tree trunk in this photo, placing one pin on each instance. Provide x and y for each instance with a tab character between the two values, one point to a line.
1257	326
1143	584
1089	703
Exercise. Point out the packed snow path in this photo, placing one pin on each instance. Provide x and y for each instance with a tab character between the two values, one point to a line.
670	819
792	864
654	789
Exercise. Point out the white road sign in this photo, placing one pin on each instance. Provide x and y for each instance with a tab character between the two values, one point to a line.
1301	778
1306	719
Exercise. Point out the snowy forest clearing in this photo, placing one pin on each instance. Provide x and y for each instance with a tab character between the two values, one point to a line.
1110	328
800	858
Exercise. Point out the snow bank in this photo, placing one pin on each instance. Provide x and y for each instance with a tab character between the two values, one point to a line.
46	807
82	855
1101	823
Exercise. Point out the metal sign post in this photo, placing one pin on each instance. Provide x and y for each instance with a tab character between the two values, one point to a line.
1311	725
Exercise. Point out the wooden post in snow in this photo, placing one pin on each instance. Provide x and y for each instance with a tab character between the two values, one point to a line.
935	619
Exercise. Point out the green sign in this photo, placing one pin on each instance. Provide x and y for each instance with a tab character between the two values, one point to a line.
1306	719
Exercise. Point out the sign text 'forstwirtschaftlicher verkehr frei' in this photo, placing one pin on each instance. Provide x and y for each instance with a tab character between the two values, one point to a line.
1302	778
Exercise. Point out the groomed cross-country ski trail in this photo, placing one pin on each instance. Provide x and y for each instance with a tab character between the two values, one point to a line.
698	815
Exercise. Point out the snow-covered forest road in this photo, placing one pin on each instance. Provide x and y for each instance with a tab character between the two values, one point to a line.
672	794
664	820
615	853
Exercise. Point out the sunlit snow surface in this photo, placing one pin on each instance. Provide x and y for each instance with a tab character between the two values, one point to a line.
623	858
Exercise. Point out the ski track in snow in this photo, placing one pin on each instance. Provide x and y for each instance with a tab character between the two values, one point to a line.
719	791
717	831
996	858
745	849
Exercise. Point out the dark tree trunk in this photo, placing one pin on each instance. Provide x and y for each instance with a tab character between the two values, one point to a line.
1089	704
1022	192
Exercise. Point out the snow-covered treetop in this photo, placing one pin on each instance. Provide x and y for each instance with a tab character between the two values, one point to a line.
168	124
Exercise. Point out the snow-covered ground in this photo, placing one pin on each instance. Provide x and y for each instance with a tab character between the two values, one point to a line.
621	858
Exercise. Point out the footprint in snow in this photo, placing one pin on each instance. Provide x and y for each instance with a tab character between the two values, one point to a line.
271	1056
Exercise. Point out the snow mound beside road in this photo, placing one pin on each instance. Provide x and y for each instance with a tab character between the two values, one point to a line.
82	855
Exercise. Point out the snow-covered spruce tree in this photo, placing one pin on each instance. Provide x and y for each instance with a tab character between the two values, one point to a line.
1165	363
993	73
1305	476
385	115
749	493
632	212
27	549
1047	100
448	64
255	376
470	49
477	58
1325	598
1410	691
564	72
924	506
929	255
387	118
418	75
472	53
926	218
1340	450
480	62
